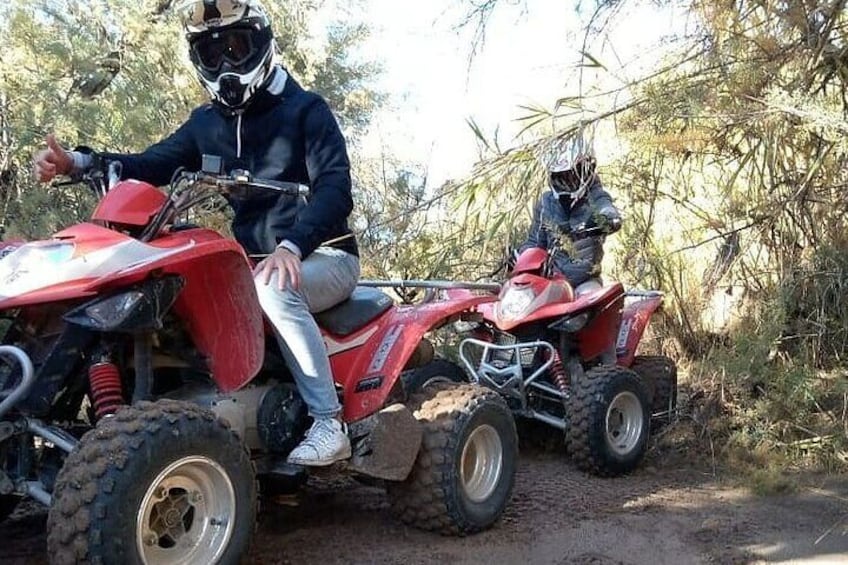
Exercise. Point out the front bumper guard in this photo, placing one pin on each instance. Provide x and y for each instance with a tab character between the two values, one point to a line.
508	378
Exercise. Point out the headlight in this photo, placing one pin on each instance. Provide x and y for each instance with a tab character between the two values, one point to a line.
571	324
114	310
515	302
137	309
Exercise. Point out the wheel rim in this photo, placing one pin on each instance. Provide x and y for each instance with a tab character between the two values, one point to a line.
624	422
187	514
435	380
481	464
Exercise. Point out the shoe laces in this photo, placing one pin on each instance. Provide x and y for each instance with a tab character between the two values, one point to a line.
321	432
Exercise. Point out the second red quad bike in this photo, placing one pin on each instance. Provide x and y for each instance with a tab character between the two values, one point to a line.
143	400
567	358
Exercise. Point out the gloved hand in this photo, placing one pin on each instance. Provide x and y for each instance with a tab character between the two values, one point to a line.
609	220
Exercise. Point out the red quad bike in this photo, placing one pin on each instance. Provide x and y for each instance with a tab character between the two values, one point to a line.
567	358
145	401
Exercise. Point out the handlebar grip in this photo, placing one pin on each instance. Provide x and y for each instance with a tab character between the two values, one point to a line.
292	188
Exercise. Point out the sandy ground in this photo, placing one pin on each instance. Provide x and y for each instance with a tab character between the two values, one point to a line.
669	511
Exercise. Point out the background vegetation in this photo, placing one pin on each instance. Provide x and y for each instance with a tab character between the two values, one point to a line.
730	164
728	156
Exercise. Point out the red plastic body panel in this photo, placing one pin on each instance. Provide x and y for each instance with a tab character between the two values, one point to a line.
599	334
221	312
130	202
553	297
218	304
376	354
532	259
73	290
10	244
86	238
635	319
90	237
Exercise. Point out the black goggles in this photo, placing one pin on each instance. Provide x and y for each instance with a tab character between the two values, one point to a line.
566	182
235	46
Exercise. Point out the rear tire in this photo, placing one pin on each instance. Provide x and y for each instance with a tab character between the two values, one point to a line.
465	470
659	373
609	421
160	481
438	370
8	503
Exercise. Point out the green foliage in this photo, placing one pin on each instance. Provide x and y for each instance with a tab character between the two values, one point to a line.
728	160
116	76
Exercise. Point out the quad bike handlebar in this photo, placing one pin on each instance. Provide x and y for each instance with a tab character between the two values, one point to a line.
188	189
239	183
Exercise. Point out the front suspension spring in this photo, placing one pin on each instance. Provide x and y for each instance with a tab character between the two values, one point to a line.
106	390
558	373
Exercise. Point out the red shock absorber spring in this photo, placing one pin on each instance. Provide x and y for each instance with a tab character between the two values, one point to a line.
558	373
106	391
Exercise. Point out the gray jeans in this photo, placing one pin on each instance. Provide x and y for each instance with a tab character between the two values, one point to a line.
328	276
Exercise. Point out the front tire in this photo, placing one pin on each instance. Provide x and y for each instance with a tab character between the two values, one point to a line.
8	503
465	470
609	421
160	482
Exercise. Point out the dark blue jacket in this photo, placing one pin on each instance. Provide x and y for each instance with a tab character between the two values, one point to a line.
291	136
553	229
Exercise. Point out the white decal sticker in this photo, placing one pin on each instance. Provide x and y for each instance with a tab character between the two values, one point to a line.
334	347
623	334
383	351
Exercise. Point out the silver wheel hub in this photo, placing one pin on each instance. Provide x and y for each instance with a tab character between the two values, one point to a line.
187	514
624	422
481	463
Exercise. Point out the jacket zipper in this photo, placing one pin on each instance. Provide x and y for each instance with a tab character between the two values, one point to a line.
238	137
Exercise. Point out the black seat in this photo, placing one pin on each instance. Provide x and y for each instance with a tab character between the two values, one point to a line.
364	305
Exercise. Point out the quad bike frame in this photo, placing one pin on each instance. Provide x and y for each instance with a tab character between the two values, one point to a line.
567	358
141	394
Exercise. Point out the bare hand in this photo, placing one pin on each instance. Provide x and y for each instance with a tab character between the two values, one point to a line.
287	265
52	161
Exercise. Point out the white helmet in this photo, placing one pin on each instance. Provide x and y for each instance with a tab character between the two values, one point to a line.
571	167
231	45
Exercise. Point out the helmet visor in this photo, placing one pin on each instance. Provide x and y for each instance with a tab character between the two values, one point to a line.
566	182
236	46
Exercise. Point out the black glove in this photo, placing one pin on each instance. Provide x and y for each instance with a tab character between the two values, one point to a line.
609	220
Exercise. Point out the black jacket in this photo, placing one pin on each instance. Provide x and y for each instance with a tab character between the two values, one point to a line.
553	227
291	136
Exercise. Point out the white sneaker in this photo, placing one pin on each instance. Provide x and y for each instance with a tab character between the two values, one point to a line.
324	444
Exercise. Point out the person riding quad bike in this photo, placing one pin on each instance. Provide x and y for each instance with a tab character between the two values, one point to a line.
576	199
261	119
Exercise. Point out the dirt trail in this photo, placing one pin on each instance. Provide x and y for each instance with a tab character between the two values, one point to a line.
664	513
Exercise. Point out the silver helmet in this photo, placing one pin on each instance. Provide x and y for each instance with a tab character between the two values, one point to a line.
571	167
231	45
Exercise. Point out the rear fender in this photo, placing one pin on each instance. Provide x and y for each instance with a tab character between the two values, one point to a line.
598	337
634	320
369	373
